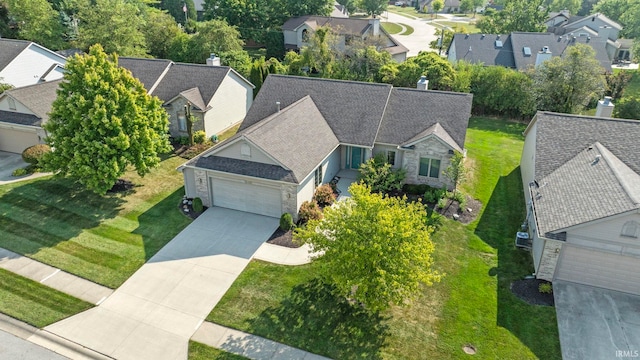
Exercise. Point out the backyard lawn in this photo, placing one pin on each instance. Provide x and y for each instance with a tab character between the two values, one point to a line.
34	303
471	306
101	238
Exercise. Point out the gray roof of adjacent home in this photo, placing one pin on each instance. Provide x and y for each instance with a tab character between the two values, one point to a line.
38	97
512	54
340	25
481	48
412	114
148	71
19	118
586	168
9	49
592	185
560	137
352	109
285	137
181	77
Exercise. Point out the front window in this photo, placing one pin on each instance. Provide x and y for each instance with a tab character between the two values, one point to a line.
391	157
429	167
182	122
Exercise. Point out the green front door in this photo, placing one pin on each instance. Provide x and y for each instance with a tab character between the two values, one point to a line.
356	157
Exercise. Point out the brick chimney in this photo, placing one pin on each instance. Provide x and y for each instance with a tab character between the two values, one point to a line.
605	107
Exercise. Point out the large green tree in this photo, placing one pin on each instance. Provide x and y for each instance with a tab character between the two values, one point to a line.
159	31
37	21
213	36
115	24
628	107
439	72
517	15
176	9
373	7
103	121
377	250
558	5
569	83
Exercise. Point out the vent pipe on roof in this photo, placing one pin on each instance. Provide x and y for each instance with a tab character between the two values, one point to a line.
423	83
605	107
278	105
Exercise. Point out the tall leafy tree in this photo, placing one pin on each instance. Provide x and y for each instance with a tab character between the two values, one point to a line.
350	5
439	72
437	5
103	121
176	9
307	7
160	29
377	250
517	15
37	21
115	24
558	5
213	36
373	7
628	108
567	84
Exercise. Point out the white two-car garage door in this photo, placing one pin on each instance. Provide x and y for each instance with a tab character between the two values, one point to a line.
15	141
600	269
249	197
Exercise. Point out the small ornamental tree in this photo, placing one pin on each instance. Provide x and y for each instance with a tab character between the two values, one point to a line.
377	249
103	121
437	5
456	172
378	174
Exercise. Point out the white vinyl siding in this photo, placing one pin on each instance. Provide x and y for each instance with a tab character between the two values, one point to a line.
30	65
229	105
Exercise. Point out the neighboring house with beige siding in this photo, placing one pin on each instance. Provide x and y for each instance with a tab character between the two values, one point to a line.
300	132
581	179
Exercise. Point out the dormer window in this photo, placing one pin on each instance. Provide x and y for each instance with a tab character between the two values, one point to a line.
630	229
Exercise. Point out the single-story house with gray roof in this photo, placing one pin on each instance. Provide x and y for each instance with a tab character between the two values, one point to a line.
300	132
581	179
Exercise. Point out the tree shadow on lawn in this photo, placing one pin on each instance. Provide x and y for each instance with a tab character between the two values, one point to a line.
314	319
534	325
161	223
45	212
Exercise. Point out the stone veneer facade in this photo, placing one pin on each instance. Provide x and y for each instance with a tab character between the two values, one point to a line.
428	148
202	186
290	200
175	108
549	260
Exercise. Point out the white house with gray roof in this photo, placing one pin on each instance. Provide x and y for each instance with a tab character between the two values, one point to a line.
581	178
25	63
300	132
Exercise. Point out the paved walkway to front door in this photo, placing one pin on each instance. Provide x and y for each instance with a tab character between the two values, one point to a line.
156	311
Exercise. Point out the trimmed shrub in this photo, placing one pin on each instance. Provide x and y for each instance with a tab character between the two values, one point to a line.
19	172
309	210
286	222
199	137
433	195
197	205
416	189
324	195
33	154
545	288
442	203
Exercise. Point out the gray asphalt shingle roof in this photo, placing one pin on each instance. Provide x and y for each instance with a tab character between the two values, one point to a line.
19	118
9	49
592	185
410	112
244	167
38	97
352	109
148	71
587	168
341	25
181	77
483	49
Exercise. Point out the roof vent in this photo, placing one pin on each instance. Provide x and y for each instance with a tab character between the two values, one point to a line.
483	35
597	159
278	105
527	51
498	44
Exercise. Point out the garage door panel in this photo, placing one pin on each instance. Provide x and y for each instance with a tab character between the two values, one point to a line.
16	141
247	197
597	268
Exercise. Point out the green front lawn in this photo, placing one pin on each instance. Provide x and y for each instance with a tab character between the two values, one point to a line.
472	305
34	303
391	28
198	351
101	238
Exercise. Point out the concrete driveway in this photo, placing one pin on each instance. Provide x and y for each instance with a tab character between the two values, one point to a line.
156	311
10	162
422	35
596	323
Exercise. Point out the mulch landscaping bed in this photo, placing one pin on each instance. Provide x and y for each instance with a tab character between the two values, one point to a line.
186	207
121	185
465	215
283	238
527	290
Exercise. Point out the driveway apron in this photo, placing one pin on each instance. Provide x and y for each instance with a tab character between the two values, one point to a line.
156	311
596	323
